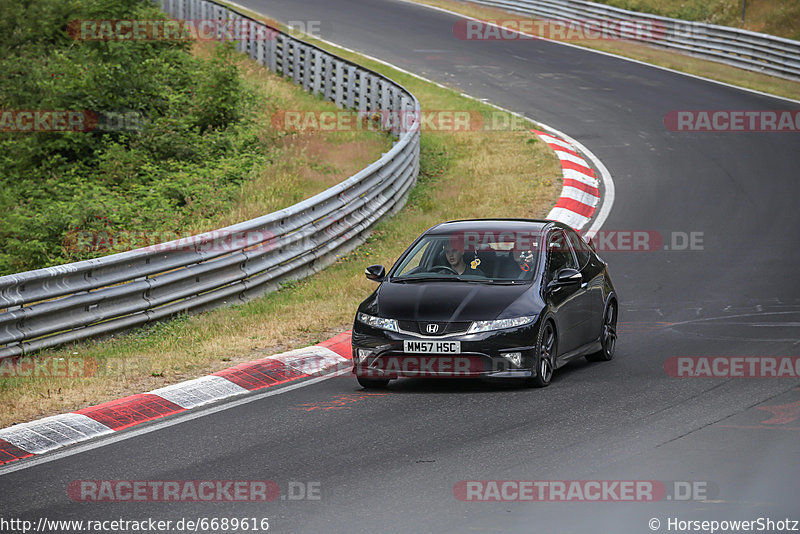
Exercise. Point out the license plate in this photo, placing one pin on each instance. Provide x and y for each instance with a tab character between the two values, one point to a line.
431	347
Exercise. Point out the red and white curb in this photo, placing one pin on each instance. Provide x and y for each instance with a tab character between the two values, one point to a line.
580	197
580	193
45	435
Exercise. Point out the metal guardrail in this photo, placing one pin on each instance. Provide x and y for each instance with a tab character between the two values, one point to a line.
49	307
745	49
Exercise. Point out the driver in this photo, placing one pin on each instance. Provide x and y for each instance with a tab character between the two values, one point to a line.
455	258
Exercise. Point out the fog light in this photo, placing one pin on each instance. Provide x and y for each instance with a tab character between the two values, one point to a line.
514	357
363	354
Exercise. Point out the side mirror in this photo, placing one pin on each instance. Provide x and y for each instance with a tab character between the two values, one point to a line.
590	242
376	273
567	277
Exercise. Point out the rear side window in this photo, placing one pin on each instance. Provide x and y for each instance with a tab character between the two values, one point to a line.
580	247
559	254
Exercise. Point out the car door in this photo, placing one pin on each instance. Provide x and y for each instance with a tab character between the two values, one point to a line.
592	272
570	303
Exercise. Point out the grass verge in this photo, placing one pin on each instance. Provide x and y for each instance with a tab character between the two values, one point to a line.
776	17
299	164
508	173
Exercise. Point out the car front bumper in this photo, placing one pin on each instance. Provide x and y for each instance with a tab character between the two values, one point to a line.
380	353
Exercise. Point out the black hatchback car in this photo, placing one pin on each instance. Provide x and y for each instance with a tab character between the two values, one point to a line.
489	298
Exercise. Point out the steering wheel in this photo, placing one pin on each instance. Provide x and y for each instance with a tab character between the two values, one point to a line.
443	268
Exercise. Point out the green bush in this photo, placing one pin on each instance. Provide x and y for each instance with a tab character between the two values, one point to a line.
195	145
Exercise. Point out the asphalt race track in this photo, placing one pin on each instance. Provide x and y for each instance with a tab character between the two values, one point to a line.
389	461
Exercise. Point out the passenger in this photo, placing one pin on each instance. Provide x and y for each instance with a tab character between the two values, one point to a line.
524	259
519	269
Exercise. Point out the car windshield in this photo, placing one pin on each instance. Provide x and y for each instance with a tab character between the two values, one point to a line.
489	257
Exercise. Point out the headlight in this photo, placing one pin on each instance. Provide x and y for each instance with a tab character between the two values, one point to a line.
379	322
485	326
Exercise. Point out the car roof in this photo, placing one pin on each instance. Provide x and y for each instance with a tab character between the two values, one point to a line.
490	225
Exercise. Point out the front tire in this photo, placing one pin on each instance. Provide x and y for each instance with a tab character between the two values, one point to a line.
544	357
608	339
372	383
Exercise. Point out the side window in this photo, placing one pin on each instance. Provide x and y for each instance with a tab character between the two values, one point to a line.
580	247
434	254
559	254
424	255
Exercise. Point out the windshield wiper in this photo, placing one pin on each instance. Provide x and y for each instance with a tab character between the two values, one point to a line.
448	279
459	279
428	279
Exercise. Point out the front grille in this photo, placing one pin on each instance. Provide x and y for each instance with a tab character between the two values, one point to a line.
443	328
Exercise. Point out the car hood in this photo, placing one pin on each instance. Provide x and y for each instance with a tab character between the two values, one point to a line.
451	301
